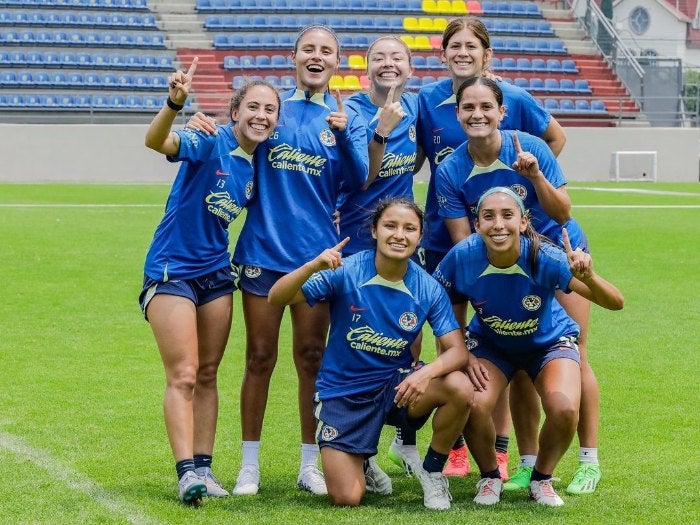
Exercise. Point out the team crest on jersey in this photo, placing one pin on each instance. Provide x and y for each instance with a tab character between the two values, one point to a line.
519	190
327	137
249	189
329	433
408	321
252	272
412	133
532	302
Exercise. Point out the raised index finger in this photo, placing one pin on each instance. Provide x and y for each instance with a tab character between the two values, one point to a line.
390	95
193	67
338	247
565	240
338	99
516	143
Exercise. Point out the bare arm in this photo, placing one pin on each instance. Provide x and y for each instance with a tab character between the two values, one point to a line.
554	136
159	136
459	228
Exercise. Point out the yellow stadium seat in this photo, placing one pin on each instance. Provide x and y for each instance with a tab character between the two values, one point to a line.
425	24
410	23
439	24
429	6
336	82
422	43
408	39
357	62
444	6
352	83
459	7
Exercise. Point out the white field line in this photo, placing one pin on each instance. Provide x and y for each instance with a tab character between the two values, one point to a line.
76	481
610	206
636	190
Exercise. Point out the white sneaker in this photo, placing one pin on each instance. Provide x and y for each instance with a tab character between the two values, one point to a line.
191	488
214	488
436	490
248	481
376	480
405	456
543	493
311	479
488	491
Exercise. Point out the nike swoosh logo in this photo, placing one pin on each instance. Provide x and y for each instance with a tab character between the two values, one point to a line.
221	173
354	308
437	130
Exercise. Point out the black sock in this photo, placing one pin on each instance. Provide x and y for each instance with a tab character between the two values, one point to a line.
407	436
183	466
459	443
202	460
501	444
495	474
538	476
434	461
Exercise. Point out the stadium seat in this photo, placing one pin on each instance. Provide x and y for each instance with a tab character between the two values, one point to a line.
74	79
475	7
414	83
530	27
515	27
542	45
58	79
553	65
567	85
500	27
532	9
536	84
410	24
439	24
569	66
222	41
434	62
15	100
352	83
582	105
551	85
357	62
8	78
274	80
66	100
262	61
287	82
93	80
517	9
25	78
495	63
551	104
521	82
133	101
503	8
581	85
427	79
5	58
429	6
238	81
459	7
419	62
278	62
566	104
50	101
487	8
597	105
32	101
116	61
544	28
508	64
538	65
422	43
83	101
336	82
523	64
557	46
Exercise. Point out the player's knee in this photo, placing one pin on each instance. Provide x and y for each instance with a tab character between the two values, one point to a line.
260	361
206	375
459	389
565	413
183	379
345	499
308	356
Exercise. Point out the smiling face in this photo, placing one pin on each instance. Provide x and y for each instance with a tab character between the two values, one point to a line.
316	57
465	55
388	64
397	231
500	223
479	112
255	116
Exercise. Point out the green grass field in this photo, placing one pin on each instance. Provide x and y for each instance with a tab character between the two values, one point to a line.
81	432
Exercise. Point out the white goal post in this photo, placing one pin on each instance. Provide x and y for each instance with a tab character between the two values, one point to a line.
633	166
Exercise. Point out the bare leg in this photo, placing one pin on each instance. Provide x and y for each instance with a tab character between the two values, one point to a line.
345	477
525	409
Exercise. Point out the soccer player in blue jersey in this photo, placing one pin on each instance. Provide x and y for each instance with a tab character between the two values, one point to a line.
188	281
510	274
317	151
493	157
391	116
379	300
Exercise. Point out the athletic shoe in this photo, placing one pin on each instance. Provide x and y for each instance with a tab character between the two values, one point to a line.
248	481
192	488
488	491
404	456
543	493
585	480
376	480
520	480
311	479
214	488
457	463
502	458
436	489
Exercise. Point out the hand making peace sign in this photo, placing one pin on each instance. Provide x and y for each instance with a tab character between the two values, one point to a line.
580	262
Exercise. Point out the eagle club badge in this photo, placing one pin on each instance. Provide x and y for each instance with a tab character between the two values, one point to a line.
327	137
408	321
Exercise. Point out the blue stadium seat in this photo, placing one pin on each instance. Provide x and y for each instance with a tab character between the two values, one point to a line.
502	8
252	41
132	61
508	64
26	36
58	79
49	101
287	82
34	58
539	65
434	62
568	66
165	62
262	61
51	58
583	105
100	102
15	100
41	78
8	78
598	105
68	58
125	80
83	100
24	78
269	41
381	24
142	82
320	20
551	104
523	64
116	61
238	81
517	9
366	23
159	82
274	80
18	58
532	9
246	61
513	44
414	83
567	85
551	84
427	79
109	80
530	27
74	79
93	80
543	46
566	104
581	85
32	101
557	46
222	41
83	60
232	62
498	44
4	58
544	28
278	62
515	27
500	27
100	60
213	22
9	37
420	62
489	8
535	84
133	101
521	82
553	65
496	63
150	102
20	18
66	100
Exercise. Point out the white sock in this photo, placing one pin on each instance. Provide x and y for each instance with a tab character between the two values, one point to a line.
527	461
588	455
309	455
249	453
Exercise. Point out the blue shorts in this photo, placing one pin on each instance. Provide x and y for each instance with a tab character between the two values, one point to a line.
200	290
354	423
256	280
428	259
532	362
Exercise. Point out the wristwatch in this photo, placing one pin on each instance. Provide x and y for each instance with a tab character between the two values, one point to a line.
381	139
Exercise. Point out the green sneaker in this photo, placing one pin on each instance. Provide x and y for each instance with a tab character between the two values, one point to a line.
585	480
520	480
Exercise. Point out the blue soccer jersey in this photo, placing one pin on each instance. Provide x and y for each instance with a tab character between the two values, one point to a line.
213	185
459	183
373	322
439	134
514	308
395	176
300	171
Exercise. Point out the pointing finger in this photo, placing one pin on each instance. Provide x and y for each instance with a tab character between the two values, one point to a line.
390	95
516	143
341	244
193	67
338	99
567	243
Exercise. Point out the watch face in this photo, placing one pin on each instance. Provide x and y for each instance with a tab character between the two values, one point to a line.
639	20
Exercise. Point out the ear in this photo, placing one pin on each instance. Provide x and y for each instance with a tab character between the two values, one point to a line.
235	114
374	233
523	224
502	113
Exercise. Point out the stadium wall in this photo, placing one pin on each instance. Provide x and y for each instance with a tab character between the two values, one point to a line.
115	153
